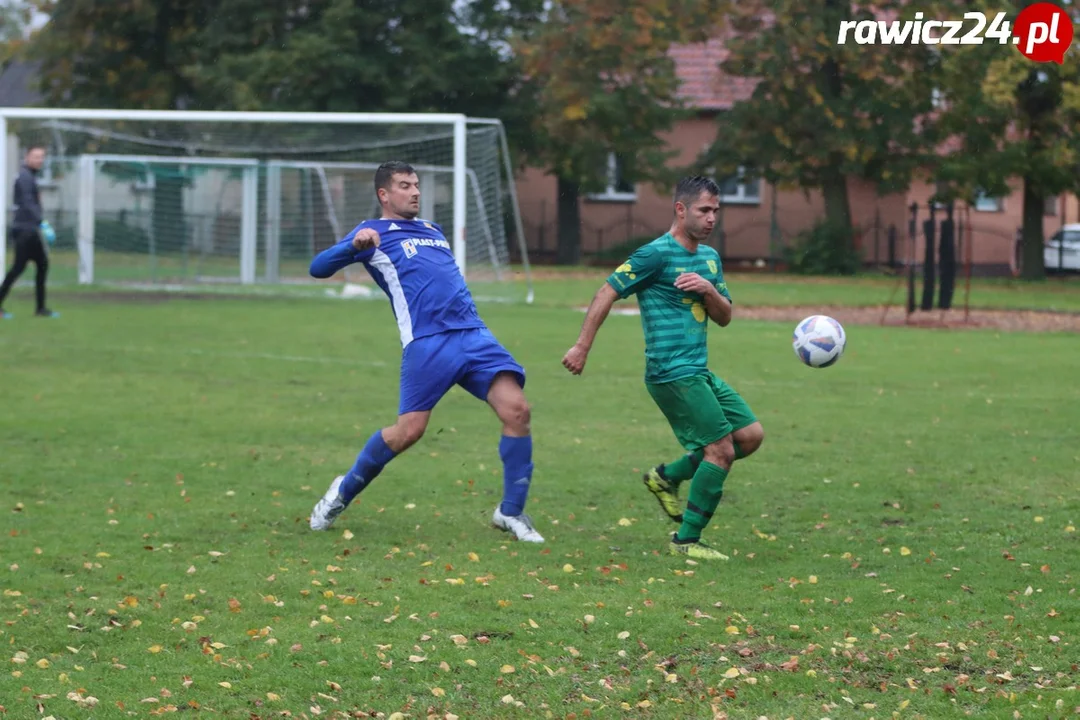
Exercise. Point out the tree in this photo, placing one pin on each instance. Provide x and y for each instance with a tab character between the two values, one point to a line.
1009	117
120	54
821	111
350	56
14	19
603	83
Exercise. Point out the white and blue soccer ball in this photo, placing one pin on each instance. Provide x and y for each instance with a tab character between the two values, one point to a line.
819	341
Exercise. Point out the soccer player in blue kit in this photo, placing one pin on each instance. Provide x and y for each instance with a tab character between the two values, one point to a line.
444	343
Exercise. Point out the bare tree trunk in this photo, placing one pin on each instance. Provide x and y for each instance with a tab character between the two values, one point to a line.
1031	253
569	212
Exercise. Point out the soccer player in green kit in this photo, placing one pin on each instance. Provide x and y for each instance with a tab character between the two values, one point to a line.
680	287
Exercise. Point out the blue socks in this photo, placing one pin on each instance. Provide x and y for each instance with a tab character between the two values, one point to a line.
372	459
516	454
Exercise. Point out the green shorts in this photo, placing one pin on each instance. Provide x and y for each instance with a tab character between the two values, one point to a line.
701	409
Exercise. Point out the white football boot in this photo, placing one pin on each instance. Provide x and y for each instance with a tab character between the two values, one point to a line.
329	506
519	525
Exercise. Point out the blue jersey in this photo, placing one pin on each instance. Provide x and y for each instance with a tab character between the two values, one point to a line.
414	265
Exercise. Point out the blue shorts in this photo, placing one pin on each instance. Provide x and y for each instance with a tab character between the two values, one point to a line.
431	365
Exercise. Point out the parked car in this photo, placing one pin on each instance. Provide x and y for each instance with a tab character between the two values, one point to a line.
1062	250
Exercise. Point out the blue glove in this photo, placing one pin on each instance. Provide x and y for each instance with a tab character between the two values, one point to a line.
48	233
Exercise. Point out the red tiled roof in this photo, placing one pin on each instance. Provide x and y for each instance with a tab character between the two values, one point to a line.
703	85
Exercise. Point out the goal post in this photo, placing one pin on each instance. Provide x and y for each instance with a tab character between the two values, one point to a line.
171	197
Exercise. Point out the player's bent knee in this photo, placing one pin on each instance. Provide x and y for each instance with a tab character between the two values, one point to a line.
408	431
516	415
721	453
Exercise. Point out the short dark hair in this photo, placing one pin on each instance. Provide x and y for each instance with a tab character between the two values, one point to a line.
384	175
36	146
690	188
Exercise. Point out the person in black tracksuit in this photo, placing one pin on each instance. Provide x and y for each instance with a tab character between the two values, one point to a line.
26	231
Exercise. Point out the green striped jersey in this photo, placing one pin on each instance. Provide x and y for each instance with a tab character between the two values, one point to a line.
674	321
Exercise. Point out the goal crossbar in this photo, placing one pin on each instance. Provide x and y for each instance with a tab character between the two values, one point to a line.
231	116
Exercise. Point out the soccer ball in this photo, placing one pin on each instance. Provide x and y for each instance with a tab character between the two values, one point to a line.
819	341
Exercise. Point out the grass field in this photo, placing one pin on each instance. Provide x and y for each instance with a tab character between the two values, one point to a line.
903	545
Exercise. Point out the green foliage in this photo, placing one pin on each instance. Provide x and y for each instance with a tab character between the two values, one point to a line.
822	112
605	84
288	55
14	19
1006	118
121	53
342	56
825	249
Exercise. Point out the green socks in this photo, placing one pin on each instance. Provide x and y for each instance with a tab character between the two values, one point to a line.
682	469
706	489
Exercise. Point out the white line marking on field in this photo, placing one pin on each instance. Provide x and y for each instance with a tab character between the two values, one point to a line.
131	349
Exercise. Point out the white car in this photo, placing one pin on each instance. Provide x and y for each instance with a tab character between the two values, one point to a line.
1062	250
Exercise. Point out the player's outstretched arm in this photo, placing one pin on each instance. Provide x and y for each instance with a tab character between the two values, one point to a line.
357	248
575	357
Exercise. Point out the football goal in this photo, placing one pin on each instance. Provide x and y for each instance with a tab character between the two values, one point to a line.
193	199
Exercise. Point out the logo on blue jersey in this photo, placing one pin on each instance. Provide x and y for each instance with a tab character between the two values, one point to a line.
411	245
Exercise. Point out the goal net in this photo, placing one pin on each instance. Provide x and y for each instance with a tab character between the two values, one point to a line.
158	199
